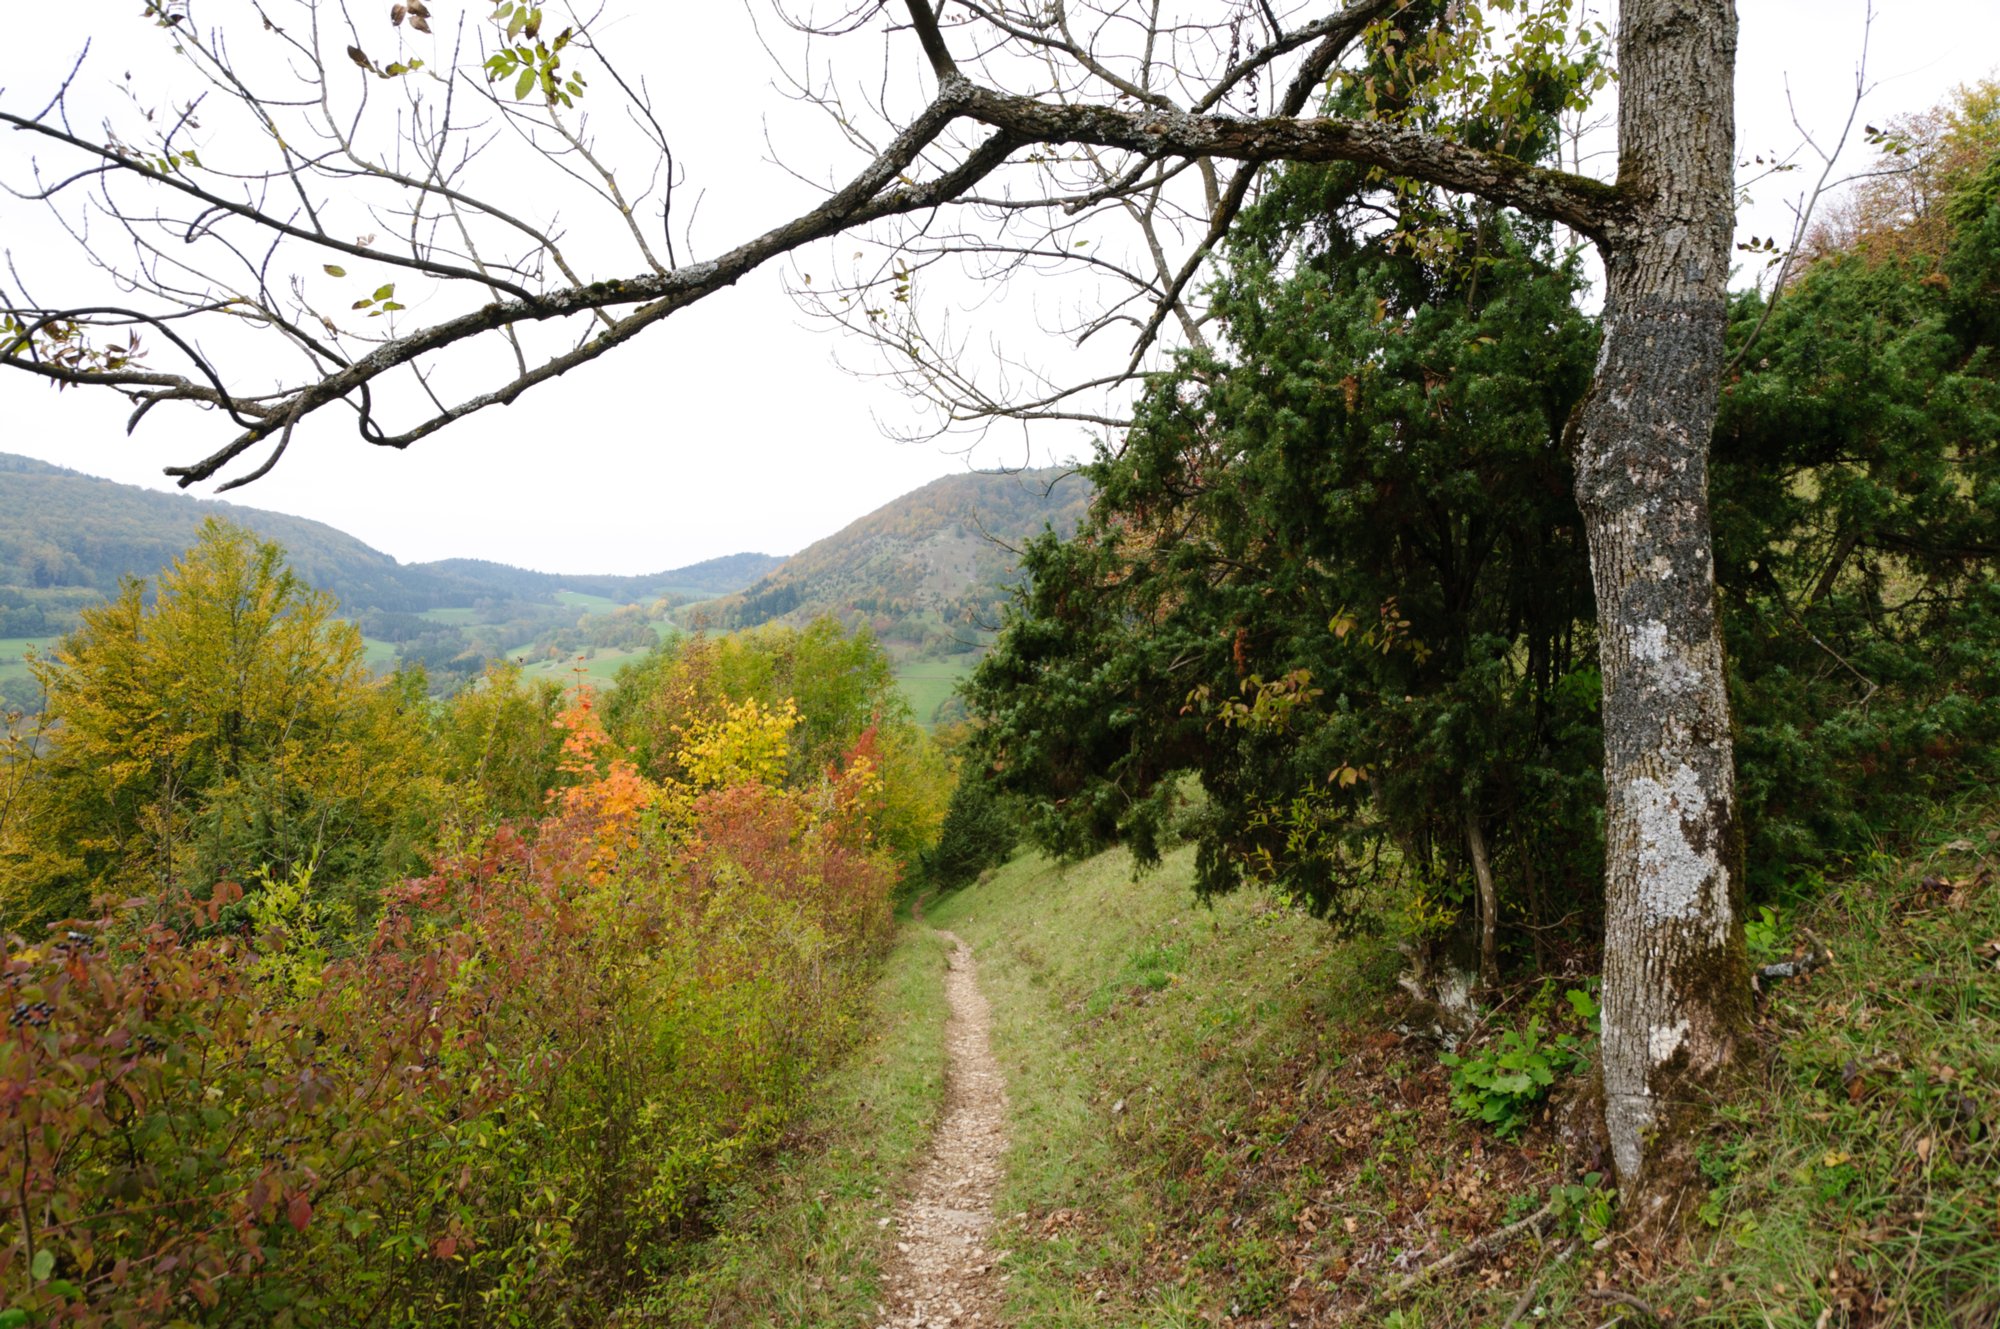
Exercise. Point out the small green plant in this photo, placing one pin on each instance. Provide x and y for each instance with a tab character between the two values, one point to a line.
1503	1084
1583	1004
1153	966
1584	1208
1764	934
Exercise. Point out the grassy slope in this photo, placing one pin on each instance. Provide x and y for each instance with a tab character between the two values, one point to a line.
599	668
14	652
1138	1030
1214	1120
928	684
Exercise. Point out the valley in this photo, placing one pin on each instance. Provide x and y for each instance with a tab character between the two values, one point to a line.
927	574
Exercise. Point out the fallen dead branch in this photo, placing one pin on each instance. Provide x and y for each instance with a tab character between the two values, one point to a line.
1816	954
1534	1223
1535	1285
1625	1299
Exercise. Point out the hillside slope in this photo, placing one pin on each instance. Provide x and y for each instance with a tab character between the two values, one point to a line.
62	531
68	539
1219	1117
927	572
714	576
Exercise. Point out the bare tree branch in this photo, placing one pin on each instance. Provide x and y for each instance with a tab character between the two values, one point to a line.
1117	122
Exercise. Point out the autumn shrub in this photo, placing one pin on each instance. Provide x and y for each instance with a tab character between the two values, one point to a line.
504	1109
835	689
219	721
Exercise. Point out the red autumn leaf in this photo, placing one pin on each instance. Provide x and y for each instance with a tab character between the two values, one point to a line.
447	1247
300	1211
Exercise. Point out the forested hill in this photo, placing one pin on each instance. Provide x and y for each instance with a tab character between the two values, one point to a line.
715	576
927	570
66	539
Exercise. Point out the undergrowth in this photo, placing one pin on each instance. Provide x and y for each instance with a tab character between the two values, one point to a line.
800	1241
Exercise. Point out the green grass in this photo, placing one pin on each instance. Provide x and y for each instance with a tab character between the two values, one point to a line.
928	684
14	650
600	670
802	1244
456	615
1188	1087
1857	1178
1117	1005
596	604
377	654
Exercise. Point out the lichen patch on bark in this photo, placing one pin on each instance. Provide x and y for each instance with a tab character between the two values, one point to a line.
1676	868
1665	1040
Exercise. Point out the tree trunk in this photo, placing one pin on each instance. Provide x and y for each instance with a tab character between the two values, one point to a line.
1676	987
1489	904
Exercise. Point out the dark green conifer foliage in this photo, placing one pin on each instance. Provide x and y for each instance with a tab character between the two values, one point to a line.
1857	488
979	831
1337	572
1340	575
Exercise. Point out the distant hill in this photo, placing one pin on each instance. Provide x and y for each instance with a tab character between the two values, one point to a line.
715	576
929	572
66	540
62	533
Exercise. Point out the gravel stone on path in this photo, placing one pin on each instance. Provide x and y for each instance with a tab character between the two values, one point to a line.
942	1272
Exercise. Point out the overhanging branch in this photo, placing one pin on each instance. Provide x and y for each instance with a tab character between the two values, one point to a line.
1589	207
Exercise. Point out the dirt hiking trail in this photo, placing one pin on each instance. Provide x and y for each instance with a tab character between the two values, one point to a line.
942	1272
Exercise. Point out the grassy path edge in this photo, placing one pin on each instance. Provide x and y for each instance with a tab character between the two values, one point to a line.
803	1242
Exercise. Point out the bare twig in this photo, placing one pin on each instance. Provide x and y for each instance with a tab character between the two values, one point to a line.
1533	1224
1527	1297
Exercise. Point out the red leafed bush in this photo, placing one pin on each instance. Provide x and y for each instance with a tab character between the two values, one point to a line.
501	1110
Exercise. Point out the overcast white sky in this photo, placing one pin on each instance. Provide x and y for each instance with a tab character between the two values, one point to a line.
728	427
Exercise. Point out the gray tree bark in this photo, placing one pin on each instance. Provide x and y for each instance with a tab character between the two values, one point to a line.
1675	976
1489	903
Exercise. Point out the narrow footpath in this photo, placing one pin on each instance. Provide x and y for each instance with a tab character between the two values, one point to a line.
942	1272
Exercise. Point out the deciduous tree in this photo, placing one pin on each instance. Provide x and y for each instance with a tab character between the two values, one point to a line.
222	727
